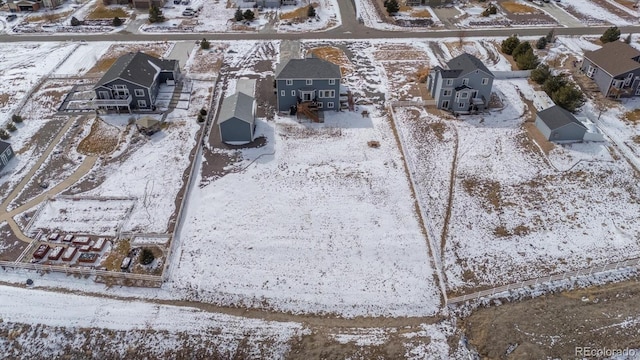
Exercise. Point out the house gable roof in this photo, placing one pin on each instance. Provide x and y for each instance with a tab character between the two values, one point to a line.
138	68
467	63
556	117
309	68
238	105
616	58
3	146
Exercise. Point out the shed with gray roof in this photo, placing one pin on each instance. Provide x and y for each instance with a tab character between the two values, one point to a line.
558	124
236	119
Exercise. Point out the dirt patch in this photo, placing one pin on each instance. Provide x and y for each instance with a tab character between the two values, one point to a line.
103	12
633	116
533	141
336	56
119	251
156	49
4	99
487	190
636	139
10	246
518	8
299	14
553	326
102	139
425	14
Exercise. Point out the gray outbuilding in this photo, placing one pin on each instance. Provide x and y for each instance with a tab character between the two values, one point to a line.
558	124
237	119
6	153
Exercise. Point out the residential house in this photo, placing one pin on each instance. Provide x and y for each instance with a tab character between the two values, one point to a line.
308	85
237	117
32	5
132	82
558	124
463	86
615	68
6	154
264	3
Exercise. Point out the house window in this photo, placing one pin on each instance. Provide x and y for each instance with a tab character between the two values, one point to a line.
293	92
449	82
326	94
8	151
445	104
142	104
330	104
139	92
465	81
464	95
591	71
446	93
103	95
289	82
283	93
638	91
119	87
332	81
617	83
485	81
319	105
461	105
309	82
627	80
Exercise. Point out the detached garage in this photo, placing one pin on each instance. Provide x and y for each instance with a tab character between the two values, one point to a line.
237	119
557	124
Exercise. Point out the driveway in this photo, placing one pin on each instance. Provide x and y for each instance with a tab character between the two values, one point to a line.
563	17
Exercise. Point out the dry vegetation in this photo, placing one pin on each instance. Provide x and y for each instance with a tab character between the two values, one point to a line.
627	3
297	14
103	12
488	190
422	74
336	56
425	14
517	8
633	116
399	52
636	139
156	49
50	17
4	99
102	139
118	252
207	61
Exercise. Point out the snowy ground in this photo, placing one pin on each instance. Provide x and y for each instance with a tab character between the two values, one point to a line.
324	225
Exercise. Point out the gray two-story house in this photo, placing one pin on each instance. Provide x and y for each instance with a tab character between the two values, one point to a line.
463	86
308	81
132	82
615	68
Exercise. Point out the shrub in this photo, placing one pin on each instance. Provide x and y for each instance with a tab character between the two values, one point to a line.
627	40
568	97
509	44
521	49
4	135
16	118
311	12
249	15
75	21
540	74
541	43
553	84
610	35
155	14
203	112
392	6
550	35
204	44
11	127
527	61
146	257
200	118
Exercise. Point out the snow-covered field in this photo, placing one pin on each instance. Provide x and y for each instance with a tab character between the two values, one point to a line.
325	224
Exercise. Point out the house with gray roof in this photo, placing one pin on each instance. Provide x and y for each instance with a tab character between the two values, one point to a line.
615	68
132	82
310	83
263	3
6	154
463	86
237	116
558	124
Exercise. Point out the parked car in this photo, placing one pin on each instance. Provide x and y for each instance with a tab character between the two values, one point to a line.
176	2
185	2
188	13
12	17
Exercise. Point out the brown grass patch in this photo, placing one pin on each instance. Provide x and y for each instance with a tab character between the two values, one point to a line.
425	14
627	3
207	62
404	8
103	12
517	8
632	116
488	190
102	139
118	252
422	74
297	14
102	65
334	55
438	129
636	139
4	99
50	17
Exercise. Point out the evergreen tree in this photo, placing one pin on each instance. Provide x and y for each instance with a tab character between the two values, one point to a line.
204	44
610	35
155	14
527	61
541	43
392	6
238	15
509	44
627	40
116	21
521	49
311	11
249	15
550	36
540	74
553	84
568	97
